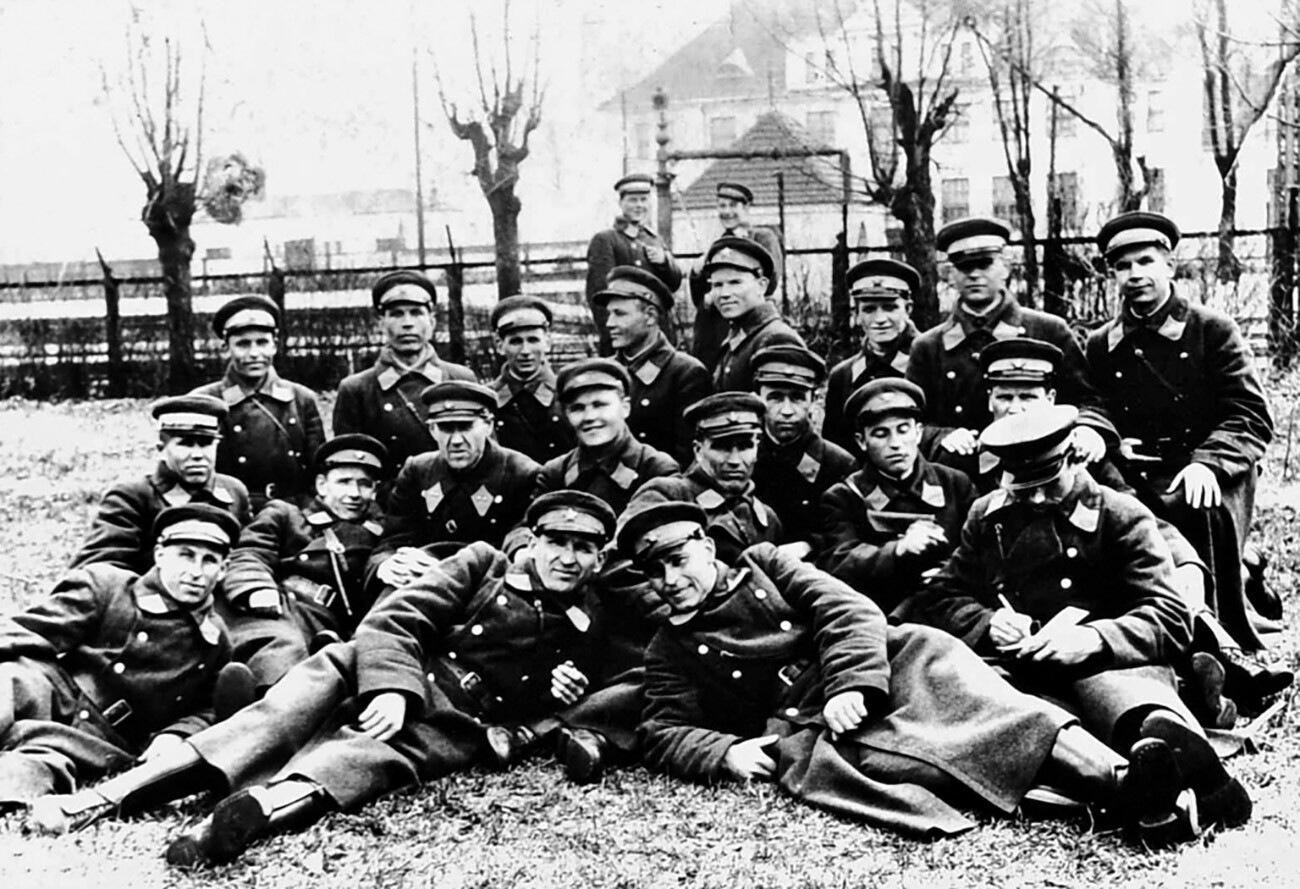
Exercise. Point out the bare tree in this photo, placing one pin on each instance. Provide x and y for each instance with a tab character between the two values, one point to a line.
157	104
1240	83
905	99
497	125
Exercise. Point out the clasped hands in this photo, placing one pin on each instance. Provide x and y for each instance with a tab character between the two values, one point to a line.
1011	633
405	566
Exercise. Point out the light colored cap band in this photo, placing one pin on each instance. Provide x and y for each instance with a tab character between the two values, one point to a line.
728	423
195	531
880	285
353	457
522	319
573	521
593	379
1131	236
457	409
184	421
890	402
1044	469
728	191
667	536
976	245
630	288
406	292
638	186
783	372
732	257
1020	368
247	318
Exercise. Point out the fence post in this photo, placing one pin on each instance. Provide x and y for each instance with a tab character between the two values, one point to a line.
840	291
455	304
275	290
112	329
1281	314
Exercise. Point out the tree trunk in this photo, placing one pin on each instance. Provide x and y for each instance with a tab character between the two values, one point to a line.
1281	312
505	230
1229	265
1054	300
914	207
167	216
275	290
1025	210
112	329
456	312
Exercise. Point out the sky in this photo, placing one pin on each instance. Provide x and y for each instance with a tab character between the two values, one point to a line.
318	92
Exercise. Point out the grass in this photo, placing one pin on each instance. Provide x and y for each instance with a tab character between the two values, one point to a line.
531	828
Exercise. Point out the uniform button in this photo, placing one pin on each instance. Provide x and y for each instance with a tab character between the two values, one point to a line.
1119	375
302	557
497	499
952	375
703	649
243	459
180	698
142	636
785	626
476	630
803	502
957	409
760	594
1137	352
735	674
1182	355
502	600
239	428
1072	552
429	676
452	655
555	419
1066	583
293	421
119	668
792	712
388	407
84	714
645	402
975	355
524	678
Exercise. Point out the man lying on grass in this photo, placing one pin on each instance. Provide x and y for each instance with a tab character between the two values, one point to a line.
772	669
472	646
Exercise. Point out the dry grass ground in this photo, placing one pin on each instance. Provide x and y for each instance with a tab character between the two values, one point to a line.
531	828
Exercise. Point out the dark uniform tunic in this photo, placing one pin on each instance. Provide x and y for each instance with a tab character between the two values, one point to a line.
758	328
384	402
846	377
89	674
122	533
614	476
736	521
1183	384
864	517
664	383
614	247
944	362
777	639
530	419
270	437
792	477
710	327
296	572
1096	549
472	642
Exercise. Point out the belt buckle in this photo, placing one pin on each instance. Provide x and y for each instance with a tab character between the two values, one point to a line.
470	681
269	490
117	713
788	674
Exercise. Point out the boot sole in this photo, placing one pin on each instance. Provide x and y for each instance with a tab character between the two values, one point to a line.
582	764
1221	799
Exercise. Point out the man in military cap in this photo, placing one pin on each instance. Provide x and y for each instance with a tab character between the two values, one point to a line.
474	645
741	275
896	519
295	578
630	242
189	428
664	381
795	465
1179	385
608	461
469	489
734	200
880	291
384	401
113	665
945	359
1067	586
772	670
529	417
721	478
274	425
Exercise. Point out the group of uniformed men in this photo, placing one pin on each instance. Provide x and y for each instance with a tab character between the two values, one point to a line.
1007	572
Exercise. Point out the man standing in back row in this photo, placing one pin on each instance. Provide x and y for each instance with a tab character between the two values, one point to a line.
741	276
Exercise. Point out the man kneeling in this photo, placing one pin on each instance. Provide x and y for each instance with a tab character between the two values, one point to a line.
431	671
772	669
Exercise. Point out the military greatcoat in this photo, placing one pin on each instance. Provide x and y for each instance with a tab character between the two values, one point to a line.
473	642
792	477
846	377
758	328
710	327
864	517
665	382
122	533
89	674
614	247
296	572
1182	384
735	521
530	418
776	639
384	402
1095	549
269	437
614	476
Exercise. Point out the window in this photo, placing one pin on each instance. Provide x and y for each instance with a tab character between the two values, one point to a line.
966	60
956	199
1155	112
1067	189
821	127
1066	123
882	125
390	245
1156	190
300	255
1004	198
217	253
814	68
959	125
642	142
722	132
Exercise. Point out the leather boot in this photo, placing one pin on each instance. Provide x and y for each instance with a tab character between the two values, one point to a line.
235	688
583	753
1220	798
177	773
1079	770
1205	690
509	744
1162	810
245	817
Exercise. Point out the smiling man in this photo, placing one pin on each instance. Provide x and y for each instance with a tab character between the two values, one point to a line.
1178	381
529	418
189	429
112	666
881	291
295	579
631	242
476	644
384	401
274	426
